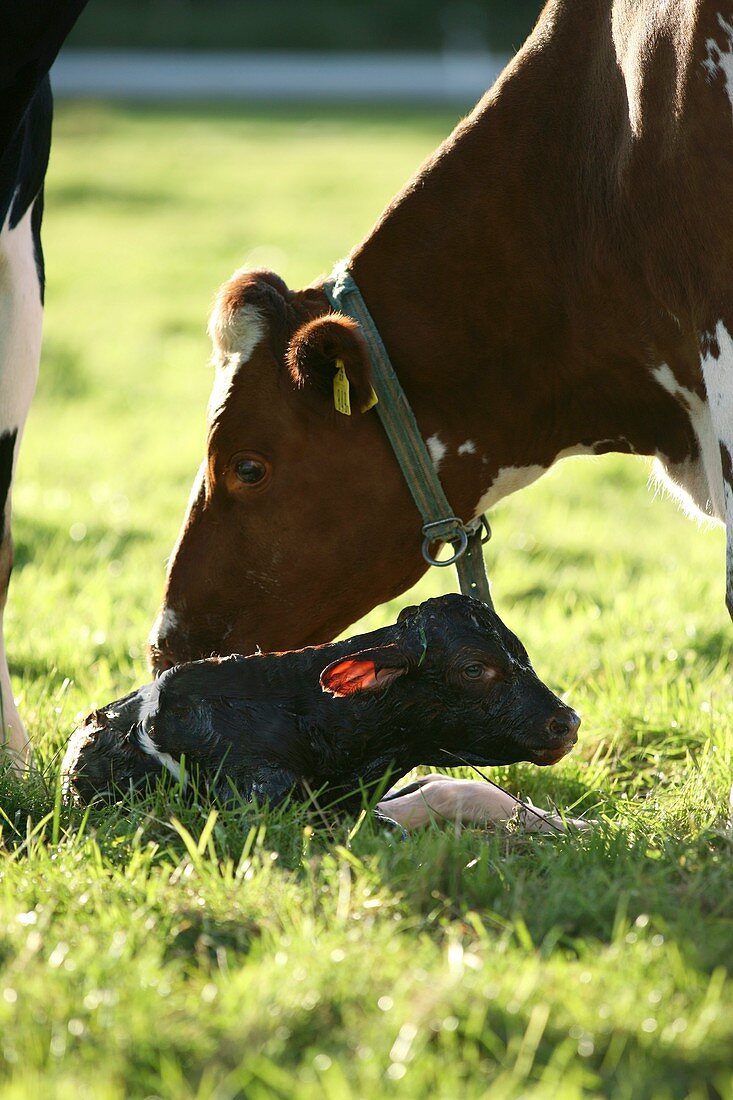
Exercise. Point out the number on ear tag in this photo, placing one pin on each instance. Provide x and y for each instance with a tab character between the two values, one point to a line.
341	389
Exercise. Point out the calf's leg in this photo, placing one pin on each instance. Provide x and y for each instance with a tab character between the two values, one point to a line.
437	798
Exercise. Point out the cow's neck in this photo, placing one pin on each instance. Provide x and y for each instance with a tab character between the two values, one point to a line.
514	321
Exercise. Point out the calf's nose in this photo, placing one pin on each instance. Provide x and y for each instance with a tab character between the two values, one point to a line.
563	726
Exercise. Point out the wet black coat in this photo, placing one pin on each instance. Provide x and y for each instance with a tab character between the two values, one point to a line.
447	683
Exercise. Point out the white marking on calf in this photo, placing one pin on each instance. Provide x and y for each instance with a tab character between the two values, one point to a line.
147	744
467	448
148	707
21	319
437	450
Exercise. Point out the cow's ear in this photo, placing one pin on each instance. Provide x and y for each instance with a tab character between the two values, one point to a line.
249	307
327	346
365	671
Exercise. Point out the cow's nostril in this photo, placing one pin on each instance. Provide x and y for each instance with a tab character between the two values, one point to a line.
563	726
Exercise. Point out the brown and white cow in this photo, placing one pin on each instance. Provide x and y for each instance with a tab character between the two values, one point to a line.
557	279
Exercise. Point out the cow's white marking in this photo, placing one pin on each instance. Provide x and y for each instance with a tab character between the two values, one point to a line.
234	337
224	376
21	319
696	483
467	448
15	735
437	450
511	478
235	333
718	62
718	374
164	625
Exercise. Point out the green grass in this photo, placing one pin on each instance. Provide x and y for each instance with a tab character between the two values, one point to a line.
155	950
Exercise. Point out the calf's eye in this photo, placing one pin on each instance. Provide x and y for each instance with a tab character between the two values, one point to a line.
473	672
250	471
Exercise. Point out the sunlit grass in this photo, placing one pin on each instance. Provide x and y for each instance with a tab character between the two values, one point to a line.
268	960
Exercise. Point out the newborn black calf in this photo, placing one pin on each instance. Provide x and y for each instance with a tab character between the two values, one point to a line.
447	683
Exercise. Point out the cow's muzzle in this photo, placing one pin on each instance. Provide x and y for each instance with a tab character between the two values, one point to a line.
560	735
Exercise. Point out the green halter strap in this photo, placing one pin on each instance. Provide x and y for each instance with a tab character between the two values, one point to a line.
398	420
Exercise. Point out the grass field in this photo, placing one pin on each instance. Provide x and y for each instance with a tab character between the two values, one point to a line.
157	950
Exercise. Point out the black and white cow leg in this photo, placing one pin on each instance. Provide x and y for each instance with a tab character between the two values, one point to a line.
21	314
31	35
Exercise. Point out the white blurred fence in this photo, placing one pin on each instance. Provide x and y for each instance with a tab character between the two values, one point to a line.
459	78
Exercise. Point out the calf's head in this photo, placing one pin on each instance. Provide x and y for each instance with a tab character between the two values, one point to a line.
460	689
282	544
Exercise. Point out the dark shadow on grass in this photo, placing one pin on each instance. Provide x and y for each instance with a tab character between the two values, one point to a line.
202	937
111	195
32	667
568	889
31	536
713	647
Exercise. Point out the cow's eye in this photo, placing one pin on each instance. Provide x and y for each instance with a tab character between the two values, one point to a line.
473	672
250	471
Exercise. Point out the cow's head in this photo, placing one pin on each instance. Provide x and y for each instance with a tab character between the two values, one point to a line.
283	544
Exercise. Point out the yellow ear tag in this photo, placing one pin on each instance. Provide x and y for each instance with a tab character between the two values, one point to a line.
373	400
341	389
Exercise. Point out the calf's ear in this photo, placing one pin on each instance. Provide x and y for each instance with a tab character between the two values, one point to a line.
319	348
366	671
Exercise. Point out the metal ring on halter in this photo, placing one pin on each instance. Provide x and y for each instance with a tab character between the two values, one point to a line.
460	537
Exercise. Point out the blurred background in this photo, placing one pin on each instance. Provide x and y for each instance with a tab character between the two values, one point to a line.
409	50
383	25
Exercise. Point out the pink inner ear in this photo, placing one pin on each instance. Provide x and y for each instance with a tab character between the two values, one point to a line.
357	674
349	676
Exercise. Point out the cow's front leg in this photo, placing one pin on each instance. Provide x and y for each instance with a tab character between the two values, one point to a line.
21	314
717	369
14	734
